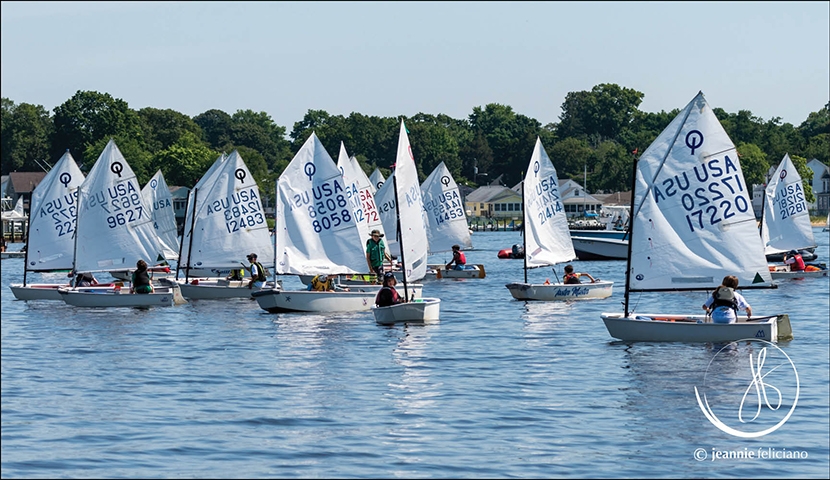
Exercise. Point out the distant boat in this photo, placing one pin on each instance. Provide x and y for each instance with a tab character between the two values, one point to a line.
546	239
597	248
51	238
447	222
675	247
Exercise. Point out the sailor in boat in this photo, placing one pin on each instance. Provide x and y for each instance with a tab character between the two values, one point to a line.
458	258
85	279
724	303
794	260
236	274
141	279
376	253
321	283
257	273
572	277
387	295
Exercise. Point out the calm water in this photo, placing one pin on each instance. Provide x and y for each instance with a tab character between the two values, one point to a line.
497	388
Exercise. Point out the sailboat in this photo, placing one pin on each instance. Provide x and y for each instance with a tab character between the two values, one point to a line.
447	222
317	232
227	223
785	223
826	224
50	244
692	224
412	238
114	229
547	240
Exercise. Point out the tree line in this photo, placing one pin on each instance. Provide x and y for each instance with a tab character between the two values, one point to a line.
601	131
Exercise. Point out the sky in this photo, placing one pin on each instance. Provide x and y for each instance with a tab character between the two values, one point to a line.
402	58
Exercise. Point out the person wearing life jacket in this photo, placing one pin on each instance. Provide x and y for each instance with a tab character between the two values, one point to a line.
321	283
724	303
794	260
140	280
236	274
572	277
257	273
458	258
387	295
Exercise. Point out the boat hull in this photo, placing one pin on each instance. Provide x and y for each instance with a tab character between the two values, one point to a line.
421	310
600	248
282	301
685	328
214	289
472	271
6	255
108	298
560	291
44	291
782	272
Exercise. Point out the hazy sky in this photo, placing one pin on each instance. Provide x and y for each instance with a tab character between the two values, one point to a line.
402	58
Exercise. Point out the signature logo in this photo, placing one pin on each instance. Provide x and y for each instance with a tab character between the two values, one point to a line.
746	388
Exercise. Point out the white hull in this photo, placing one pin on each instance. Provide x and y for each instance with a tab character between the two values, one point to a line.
153	272
212	289
282	301
421	310
685	328
38	291
600	248
6	255
473	271
91	297
560	291
783	273
357	283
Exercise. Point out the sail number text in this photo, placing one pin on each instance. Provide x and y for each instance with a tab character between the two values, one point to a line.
443	207
789	200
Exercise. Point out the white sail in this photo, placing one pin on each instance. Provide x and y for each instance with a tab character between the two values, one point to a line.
377	180
413	234
54	208
444	212
202	185
547	239
114	224
316	230
786	225
229	219
693	221
354	192
385	201
367	196
157	195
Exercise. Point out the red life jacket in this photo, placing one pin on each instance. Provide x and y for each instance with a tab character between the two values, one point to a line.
461	259
799	263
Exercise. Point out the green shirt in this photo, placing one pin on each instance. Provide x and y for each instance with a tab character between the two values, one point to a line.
376	251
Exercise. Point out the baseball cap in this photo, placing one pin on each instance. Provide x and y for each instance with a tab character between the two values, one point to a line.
376	232
388	275
252	255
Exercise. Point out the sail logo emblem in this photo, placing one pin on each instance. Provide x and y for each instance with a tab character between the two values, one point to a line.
694	140
747	387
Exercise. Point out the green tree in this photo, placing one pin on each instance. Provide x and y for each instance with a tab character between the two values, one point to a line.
216	128
754	163
256	130
186	161
164	128
510	136
569	157
25	137
610	168
87	119
605	111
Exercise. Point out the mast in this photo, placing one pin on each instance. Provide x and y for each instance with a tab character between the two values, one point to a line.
181	244
190	245
629	233
524	228
400	236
